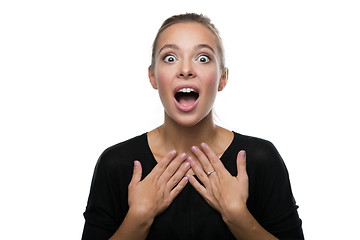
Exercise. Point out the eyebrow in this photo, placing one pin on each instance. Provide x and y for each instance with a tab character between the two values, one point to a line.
197	47
171	46
200	46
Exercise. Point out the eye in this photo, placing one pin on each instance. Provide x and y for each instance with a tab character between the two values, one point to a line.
169	58
204	59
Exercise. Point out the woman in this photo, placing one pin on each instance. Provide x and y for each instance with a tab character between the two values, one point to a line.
189	178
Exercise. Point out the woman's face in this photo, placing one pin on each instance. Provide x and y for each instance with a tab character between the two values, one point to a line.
187	72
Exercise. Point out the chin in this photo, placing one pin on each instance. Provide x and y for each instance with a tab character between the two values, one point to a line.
189	120
188	124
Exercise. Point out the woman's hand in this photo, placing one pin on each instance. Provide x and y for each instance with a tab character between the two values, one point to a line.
151	196
225	193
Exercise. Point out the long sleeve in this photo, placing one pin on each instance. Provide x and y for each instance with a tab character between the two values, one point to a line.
271	198
100	223
107	204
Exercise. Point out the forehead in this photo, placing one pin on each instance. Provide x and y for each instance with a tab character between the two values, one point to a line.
187	35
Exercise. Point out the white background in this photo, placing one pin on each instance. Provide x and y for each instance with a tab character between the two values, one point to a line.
74	81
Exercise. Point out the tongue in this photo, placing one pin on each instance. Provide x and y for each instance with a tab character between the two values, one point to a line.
187	100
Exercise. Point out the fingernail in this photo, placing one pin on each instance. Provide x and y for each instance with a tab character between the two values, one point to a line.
194	149
173	152
190	159
242	154
183	155
187	165
136	164
203	145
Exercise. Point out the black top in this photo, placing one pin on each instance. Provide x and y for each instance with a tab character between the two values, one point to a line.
270	199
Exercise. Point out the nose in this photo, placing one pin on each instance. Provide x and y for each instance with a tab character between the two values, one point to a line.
186	75
186	71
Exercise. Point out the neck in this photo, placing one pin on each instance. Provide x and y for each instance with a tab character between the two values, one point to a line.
171	136
182	137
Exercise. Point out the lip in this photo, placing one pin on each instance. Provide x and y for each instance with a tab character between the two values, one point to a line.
182	107
188	85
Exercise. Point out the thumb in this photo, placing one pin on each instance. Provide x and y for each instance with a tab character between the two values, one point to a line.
241	163
137	172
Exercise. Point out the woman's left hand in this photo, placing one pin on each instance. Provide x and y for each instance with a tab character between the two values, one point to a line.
225	193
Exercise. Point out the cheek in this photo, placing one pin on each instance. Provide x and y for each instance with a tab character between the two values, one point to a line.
211	79
163	82
161	79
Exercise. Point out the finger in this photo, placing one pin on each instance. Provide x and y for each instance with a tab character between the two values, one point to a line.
198	187
163	163
179	174
203	159
199	172
176	190
214	159
241	163
137	173
172	168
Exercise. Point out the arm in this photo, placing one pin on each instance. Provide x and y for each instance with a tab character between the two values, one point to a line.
244	226
226	193
151	196
133	227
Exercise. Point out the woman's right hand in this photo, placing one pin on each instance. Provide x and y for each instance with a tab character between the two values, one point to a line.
151	196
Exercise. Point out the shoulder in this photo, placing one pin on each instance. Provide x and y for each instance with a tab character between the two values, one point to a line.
270	200
124	152
258	151
260	147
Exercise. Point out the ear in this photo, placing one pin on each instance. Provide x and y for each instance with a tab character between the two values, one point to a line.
223	79
152	78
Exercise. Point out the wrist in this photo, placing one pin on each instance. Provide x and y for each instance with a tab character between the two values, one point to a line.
140	216
244	226
235	214
135	226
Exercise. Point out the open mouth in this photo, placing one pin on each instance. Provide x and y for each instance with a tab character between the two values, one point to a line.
186	96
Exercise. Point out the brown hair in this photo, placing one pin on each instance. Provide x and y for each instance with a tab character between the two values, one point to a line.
190	17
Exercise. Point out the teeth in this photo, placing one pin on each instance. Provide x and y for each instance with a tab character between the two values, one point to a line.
186	90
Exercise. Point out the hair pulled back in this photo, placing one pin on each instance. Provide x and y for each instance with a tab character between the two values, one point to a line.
189	17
